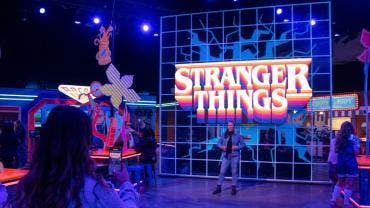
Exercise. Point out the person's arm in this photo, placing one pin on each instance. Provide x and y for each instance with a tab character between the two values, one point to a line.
3	196
241	143
126	197
127	192
356	145
108	197
220	145
331	151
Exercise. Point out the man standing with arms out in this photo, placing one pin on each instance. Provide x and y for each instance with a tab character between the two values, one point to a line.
230	144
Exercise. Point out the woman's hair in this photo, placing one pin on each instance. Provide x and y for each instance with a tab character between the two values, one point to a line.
346	129
60	161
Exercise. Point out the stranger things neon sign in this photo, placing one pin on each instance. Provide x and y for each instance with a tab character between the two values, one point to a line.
257	91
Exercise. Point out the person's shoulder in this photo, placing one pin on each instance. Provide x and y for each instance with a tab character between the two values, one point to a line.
353	137
90	183
90	180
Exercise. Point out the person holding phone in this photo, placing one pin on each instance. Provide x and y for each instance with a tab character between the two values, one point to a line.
62	173
115	160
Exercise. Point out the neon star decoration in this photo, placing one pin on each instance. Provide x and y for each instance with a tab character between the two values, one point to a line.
119	87
78	93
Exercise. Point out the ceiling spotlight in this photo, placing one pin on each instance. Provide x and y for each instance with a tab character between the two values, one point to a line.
155	35
286	20
96	20
77	22
313	22
279	11
42	10
145	28
336	35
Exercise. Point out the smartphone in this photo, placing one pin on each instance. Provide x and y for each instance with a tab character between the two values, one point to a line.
115	160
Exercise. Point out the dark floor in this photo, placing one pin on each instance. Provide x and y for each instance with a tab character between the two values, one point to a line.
194	192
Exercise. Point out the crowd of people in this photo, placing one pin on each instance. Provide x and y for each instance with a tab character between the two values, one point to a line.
68	167
13	152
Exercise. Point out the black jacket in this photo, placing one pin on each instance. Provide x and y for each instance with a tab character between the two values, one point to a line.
8	145
147	146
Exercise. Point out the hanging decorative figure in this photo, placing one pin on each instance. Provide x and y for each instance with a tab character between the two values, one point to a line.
104	54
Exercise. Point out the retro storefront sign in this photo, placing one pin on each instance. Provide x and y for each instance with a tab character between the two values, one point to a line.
257	91
339	102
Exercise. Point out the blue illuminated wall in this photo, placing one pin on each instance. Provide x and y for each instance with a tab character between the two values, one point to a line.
293	151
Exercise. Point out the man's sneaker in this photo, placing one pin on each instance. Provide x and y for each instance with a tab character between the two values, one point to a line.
217	190
233	190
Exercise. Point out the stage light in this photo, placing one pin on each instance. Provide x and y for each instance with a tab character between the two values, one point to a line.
145	28
313	22
235	0
155	35
286	20
42	10
96	20
77	22
279	11
336	35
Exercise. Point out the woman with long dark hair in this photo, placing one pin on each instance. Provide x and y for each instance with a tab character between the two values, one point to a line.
230	144
347	147
62	174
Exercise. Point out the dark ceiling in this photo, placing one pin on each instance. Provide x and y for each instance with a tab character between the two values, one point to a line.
48	50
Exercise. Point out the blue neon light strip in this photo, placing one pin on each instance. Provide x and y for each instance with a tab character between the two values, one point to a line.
141	104
144	101
17	95
17	99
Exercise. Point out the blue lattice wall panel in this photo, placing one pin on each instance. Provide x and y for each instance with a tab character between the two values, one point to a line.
275	32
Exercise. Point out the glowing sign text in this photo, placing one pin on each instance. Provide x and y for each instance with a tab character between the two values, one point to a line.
260	91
